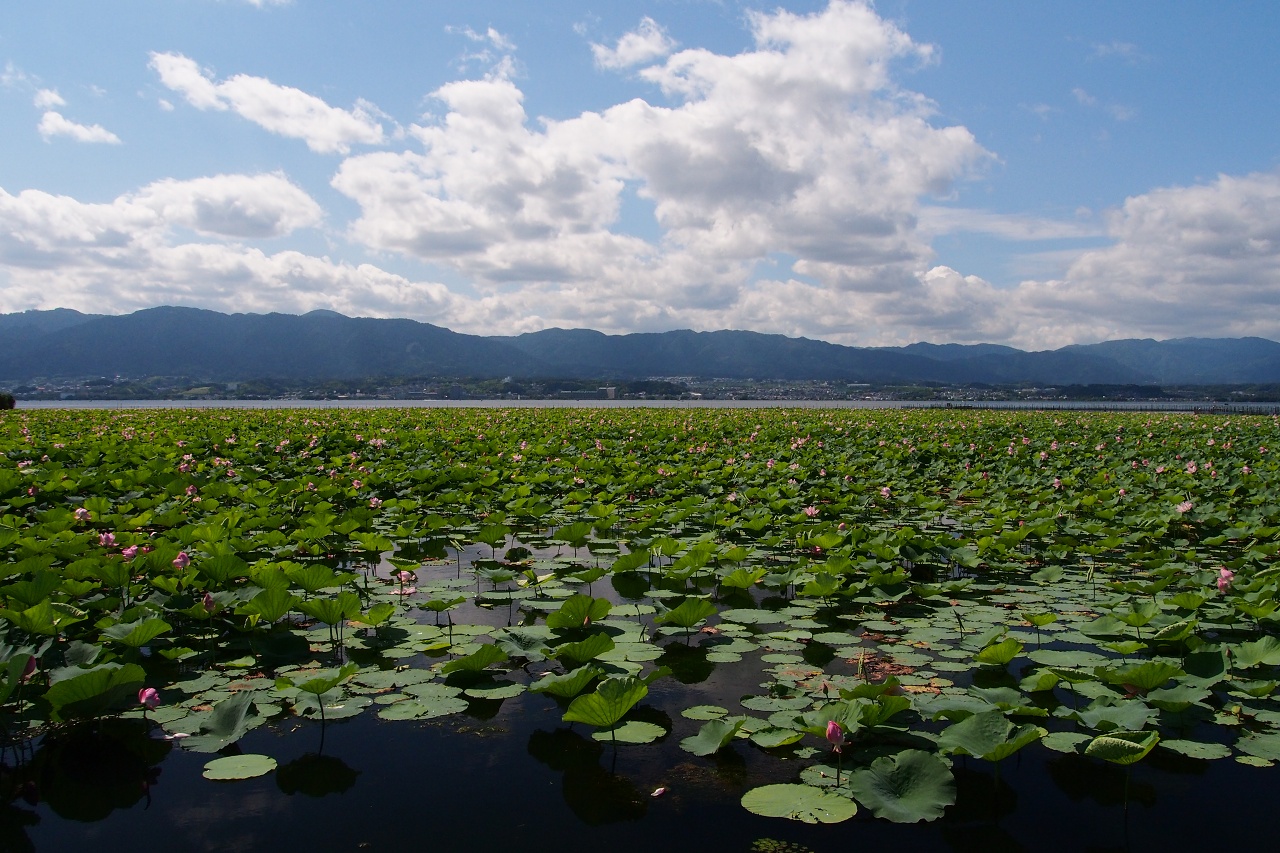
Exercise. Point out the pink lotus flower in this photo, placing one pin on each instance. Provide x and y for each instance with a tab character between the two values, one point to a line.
107	540
405	576
375	502
884	491
1184	507
1057	483
182	560
210	606
1225	577
129	553
83	514
355	484
811	511
191	490
835	735
30	669
149	698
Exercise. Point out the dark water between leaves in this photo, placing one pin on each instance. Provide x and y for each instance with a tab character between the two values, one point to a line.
510	776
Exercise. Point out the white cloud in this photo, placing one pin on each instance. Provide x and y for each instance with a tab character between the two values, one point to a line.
644	44
58	251
1185	262
801	145
47	98
795	187
53	124
12	77
1083	98
237	206
283	110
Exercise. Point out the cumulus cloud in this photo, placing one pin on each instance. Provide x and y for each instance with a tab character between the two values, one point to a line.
794	187
644	44
48	98
283	110
38	228
53	123
239	206
800	145
1184	262
59	251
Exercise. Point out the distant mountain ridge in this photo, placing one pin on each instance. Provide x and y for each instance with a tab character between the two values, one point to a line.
209	345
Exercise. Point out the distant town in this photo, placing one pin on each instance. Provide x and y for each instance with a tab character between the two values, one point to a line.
655	388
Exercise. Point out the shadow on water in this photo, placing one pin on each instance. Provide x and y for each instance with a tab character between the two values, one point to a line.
689	664
89	771
316	775
593	793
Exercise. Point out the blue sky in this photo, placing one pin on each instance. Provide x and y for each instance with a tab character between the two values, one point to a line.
1025	173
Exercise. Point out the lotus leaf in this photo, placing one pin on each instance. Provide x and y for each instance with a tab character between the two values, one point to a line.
908	787
799	802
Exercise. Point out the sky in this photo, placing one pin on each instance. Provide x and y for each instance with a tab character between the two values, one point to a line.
1031	174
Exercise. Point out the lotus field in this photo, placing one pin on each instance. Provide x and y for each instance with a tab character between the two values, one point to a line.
856	606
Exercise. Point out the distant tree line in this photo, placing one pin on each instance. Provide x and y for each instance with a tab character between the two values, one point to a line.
7	401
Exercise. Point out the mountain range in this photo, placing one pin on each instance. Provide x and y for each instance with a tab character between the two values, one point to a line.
209	345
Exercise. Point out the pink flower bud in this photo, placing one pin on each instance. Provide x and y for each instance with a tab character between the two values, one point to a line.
835	735
130	552
182	560
148	698
83	514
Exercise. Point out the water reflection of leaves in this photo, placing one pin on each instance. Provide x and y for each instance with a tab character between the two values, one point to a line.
597	796
1082	778
87	772
13	829
316	776
689	664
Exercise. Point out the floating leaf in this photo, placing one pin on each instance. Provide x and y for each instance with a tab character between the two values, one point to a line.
905	788
632	731
239	767
799	802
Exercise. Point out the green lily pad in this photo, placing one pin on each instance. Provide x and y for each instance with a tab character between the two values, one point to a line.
1197	749
632	731
239	767
799	802
911	786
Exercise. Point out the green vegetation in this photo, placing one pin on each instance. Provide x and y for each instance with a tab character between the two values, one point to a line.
913	587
